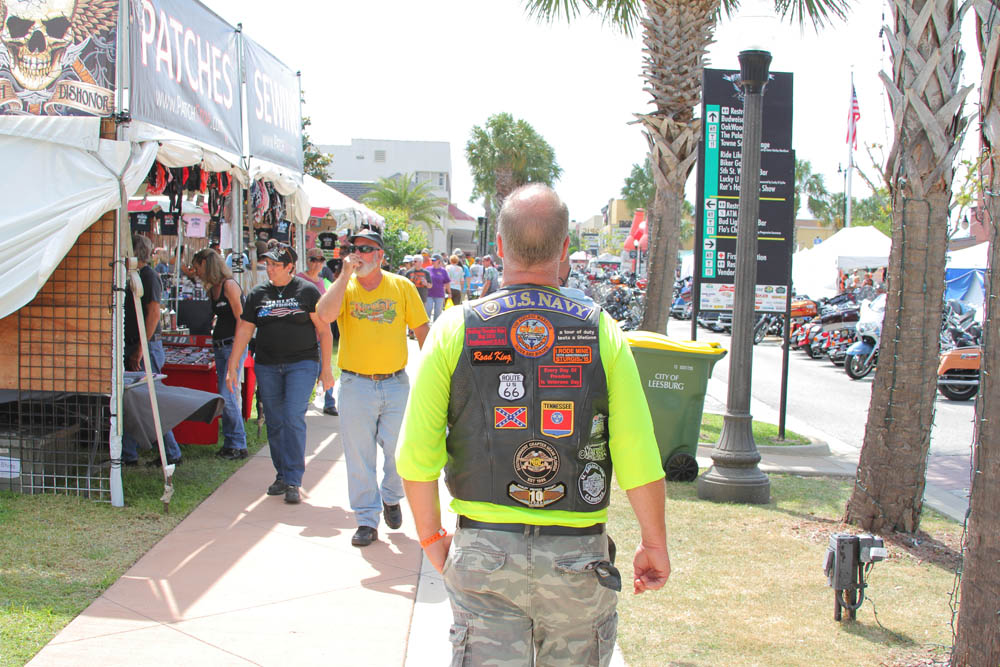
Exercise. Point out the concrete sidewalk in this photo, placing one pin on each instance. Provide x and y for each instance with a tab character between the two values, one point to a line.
248	579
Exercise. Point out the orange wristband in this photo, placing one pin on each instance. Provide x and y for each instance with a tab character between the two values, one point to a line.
441	532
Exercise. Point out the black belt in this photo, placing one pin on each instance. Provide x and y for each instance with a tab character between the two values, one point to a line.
376	376
466	522
222	343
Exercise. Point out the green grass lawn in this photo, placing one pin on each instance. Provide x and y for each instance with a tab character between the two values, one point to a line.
763	433
59	553
748	588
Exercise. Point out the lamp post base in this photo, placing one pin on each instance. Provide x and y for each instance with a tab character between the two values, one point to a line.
735	485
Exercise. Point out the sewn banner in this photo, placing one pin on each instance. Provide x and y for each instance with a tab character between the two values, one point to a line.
274	116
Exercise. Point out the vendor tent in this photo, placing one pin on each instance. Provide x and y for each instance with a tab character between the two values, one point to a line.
965	274
348	212
815	270
579	256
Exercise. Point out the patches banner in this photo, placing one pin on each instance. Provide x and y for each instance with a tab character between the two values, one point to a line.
57	57
274	117
184	71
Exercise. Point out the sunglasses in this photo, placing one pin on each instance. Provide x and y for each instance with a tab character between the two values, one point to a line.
315	259
363	249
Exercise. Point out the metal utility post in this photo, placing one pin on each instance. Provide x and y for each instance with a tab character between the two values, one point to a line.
734	475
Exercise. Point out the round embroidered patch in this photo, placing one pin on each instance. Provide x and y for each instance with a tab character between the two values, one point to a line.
532	335
536	462
593	484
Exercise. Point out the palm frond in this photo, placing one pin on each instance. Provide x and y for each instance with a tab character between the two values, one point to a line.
819	13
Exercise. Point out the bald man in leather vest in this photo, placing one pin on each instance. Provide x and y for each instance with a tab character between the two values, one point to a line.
526	398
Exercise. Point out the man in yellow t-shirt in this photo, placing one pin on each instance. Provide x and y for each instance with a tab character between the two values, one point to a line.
373	308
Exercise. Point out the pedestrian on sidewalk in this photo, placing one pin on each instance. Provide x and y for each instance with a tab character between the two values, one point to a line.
527	447
374	308
456	279
226	298
283	311
439	287
313	273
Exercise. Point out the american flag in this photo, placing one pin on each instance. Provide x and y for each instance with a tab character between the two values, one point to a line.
853	116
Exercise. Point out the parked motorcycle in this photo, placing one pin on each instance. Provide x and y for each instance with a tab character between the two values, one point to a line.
767	324
958	373
862	356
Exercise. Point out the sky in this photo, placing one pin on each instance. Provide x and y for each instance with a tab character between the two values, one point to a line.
398	69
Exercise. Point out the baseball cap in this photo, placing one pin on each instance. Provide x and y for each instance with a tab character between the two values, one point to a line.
407	259
281	254
458	251
369	234
425	251
435	257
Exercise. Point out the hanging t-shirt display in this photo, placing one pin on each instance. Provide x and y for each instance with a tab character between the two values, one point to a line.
139	221
196	226
326	241
280	231
168	223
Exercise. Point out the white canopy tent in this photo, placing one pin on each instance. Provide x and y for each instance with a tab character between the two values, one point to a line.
815	270
348	212
66	178
579	256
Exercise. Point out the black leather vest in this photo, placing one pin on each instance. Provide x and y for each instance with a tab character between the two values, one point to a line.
528	414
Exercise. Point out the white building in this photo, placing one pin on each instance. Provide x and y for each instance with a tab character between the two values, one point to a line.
355	168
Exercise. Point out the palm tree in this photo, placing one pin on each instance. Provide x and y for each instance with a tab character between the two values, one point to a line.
505	154
676	36
977	639
417	200
926	104
811	186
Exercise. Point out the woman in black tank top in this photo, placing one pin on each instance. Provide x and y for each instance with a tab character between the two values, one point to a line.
227	305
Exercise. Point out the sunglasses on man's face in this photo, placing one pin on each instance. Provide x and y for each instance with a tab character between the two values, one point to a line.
315	259
363	249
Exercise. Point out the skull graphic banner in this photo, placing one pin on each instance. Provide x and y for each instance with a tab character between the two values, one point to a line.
57	57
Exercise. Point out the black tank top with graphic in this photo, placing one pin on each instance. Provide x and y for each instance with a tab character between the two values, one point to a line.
225	321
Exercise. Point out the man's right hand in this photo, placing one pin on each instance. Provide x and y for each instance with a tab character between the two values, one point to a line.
652	568
351	263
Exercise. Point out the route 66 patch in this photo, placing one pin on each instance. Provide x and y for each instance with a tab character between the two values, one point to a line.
511	386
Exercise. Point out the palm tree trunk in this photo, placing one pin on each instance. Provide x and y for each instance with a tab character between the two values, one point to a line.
926	104
977	638
676	36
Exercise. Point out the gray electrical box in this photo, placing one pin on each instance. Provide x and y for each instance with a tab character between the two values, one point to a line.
841	561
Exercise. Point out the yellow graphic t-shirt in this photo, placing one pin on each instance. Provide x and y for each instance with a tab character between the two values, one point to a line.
373	324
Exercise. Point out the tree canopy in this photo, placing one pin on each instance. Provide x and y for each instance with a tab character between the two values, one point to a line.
416	200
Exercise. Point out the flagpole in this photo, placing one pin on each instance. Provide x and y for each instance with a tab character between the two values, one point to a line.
850	160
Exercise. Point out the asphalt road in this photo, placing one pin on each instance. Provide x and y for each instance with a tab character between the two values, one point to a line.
823	396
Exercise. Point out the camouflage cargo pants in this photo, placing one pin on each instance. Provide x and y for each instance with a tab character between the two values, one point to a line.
523	599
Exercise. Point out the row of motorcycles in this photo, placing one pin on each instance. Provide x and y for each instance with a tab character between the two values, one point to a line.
622	295
847	329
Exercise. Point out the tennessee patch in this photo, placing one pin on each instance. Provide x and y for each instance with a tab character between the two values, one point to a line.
536	462
560	377
486	336
492	356
510	417
557	418
532	335
571	354
536	498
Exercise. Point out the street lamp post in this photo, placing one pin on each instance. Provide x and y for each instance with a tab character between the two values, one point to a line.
734	475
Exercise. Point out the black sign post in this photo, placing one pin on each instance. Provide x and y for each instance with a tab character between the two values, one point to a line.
719	189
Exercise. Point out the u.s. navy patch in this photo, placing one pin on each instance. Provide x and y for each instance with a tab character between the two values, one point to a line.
533	299
511	386
536	498
593	484
510	417
532	335
557	418
536	462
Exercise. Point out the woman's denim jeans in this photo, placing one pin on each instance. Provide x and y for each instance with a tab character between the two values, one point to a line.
284	394
232	414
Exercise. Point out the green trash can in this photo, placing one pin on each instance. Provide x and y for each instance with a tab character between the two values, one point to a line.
675	376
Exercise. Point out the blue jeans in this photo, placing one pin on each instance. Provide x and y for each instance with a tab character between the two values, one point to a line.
376	413
434	306
130	447
234	436
284	394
